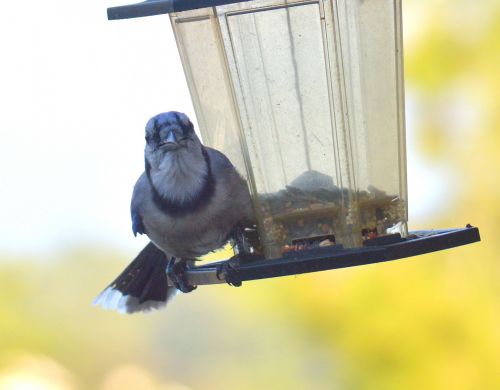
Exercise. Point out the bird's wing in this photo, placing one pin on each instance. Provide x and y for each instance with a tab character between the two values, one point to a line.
137	225
141	189
234	183
218	159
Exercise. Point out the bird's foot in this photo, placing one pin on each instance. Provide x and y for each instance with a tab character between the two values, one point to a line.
228	271
241	242
176	269
244	251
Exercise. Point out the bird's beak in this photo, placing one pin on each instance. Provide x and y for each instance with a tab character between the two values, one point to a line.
170	142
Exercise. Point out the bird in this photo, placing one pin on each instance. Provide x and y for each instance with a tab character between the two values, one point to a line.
190	200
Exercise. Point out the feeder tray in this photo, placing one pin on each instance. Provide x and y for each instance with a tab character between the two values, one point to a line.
377	250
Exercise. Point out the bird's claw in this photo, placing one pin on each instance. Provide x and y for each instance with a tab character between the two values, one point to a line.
175	272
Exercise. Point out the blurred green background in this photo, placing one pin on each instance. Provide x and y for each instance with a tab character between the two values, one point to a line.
431	322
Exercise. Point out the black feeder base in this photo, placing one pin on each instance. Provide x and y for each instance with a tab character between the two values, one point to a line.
385	248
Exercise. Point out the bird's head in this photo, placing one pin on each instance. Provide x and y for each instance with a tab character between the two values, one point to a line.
170	132
176	162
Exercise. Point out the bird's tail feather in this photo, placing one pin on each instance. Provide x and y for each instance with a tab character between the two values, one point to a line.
142	286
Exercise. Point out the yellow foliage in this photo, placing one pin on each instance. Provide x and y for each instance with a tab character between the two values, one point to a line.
425	323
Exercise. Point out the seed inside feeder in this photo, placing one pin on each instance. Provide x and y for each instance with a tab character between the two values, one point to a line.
299	212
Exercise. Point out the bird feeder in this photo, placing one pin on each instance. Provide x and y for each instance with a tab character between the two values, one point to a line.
306	98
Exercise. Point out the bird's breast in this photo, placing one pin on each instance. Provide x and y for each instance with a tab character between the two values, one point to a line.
202	229
191	235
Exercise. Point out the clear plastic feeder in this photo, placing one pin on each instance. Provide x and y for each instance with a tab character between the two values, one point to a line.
306	99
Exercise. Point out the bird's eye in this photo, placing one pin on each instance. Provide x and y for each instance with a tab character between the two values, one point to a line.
147	137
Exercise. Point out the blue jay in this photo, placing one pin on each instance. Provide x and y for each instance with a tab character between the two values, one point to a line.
189	201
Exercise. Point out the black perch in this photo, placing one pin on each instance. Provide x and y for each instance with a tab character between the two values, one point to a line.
387	248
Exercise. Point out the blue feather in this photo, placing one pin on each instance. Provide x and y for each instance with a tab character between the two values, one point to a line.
137	225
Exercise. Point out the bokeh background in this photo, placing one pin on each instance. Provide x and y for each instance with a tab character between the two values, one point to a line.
75	93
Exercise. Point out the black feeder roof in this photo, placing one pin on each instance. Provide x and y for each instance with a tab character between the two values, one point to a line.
159	7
